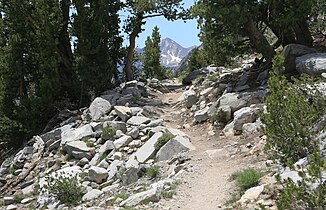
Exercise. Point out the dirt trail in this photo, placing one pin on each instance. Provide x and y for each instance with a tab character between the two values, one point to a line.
207	185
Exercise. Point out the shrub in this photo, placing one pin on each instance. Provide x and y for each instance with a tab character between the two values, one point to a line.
163	140
309	192
152	172
108	132
18	198
289	117
247	178
65	188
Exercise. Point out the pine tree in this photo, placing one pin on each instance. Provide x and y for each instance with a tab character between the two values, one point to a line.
97	48
140	11
152	54
31	67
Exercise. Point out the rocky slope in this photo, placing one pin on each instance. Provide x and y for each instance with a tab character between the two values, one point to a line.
113	147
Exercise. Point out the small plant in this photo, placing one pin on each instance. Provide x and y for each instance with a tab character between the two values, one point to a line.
152	172
163	140
89	143
168	194
123	196
246	178
65	188
108	132
18	198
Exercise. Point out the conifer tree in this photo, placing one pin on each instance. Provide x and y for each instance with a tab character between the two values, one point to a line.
152	54
97	49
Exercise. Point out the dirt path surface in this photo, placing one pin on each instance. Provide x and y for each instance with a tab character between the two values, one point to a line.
205	185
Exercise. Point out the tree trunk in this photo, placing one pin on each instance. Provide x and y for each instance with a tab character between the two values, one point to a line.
303	33
258	40
130	55
65	52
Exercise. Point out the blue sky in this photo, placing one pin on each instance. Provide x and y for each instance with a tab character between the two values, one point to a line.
186	34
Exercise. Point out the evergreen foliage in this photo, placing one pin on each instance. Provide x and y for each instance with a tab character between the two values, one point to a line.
290	116
230	28
96	26
139	11
151	58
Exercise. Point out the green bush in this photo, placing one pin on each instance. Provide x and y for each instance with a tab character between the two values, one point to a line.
108	132
163	140
303	194
65	188
246	178
290	116
152	172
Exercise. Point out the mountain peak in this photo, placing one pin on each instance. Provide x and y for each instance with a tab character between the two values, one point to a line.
172	52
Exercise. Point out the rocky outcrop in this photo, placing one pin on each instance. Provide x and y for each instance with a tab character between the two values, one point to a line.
313	64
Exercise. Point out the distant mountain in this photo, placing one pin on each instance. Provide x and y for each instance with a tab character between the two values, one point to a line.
171	52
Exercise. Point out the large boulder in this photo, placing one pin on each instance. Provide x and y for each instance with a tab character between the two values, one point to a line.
189	98
78	149
152	195
99	108
243	116
77	134
122	141
123	112
97	174
201	115
193	75
138	120
313	64
237	101
148	149
290	52
91	195
173	147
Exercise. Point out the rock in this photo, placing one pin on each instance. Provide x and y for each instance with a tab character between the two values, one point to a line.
8	200
228	129
123	112
77	134
217	154
190	98
313	64
130	175
290	52
138	120
207	91
173	147
123	141
134	133
113	168
91	195
152	195
148	149
251	194
251	128
155	123
233	101
27	200
97	174
78	149
99	108
223	114
288	174
106	147
201	115
83	162
11	207
193	75
242	116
